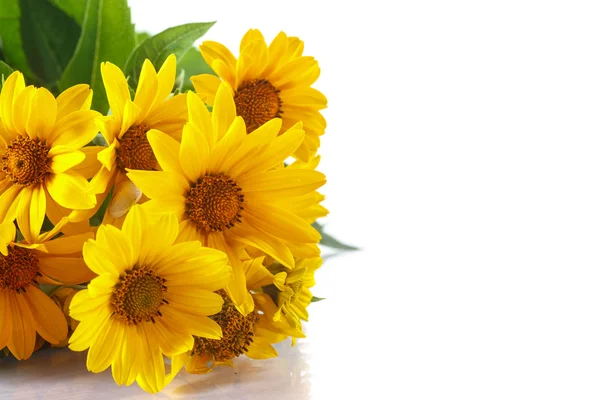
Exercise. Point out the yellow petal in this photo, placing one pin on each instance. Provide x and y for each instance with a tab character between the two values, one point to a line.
116	87
146	90
170	112
75	98
236	287
75	130
265	242
103	351
90	165
166	150
223	112
48	317
206	87
166	79
7	235
23	216
22	341
42	115
200	118
193	153
119	245
158	238
11	89
155	184
281	223
6	318
8	204
64	158
283	182
212	51
108	157
70	190
67	244
67	270
21	110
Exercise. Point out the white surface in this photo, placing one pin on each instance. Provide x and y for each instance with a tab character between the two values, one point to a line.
462	154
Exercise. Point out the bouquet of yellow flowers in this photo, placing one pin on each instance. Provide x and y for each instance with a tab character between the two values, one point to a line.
158	204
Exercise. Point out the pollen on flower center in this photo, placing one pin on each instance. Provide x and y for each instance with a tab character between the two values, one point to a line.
257	102
139	295
214	203
238	333
134	150
18	269
26	161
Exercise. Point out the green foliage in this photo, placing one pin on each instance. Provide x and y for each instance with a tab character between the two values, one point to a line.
5	71
140	37
49	38
74	8
316	299
331	242
107	35
192	63
10	34
176	40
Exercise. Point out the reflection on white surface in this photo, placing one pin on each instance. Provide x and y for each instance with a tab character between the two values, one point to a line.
59	373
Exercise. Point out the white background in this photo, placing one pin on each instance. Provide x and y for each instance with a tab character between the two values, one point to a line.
462	155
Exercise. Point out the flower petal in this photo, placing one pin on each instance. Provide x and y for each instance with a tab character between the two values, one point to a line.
48	318
42	115
70	190
64	158
75	98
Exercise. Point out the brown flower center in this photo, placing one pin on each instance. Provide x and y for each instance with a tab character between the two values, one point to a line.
214	203
257	102
18	269
26	161
138	295
134	150
238	333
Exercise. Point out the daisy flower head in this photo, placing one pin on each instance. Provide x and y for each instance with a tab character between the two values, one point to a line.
269	81
41	141
24	308
252	335
153	107
223	186
152	293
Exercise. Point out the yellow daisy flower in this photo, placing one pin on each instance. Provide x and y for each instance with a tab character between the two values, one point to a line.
309	205
152	294
269	82
24	308
220	182
293	290
253	334
125	130
40	146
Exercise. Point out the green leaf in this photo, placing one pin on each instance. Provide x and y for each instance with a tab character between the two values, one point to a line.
191	64
49	38
140	37
107	35
73	8
331	242
5	71
10	34
316	299
176	40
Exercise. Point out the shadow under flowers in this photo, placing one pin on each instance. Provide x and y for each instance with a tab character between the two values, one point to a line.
284	377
